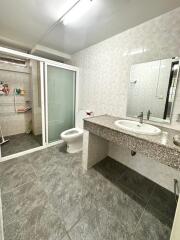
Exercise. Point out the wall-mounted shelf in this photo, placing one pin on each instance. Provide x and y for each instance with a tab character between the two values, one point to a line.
23	110
12	103
6	114
12	95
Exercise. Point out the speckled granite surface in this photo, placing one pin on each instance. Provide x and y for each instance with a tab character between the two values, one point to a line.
159	147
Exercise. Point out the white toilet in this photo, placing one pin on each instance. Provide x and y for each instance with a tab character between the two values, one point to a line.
74	137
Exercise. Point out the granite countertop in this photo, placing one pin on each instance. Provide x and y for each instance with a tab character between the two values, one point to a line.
160	147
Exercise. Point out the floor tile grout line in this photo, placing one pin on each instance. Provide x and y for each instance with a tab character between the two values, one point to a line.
147	200
1	219
131	191
84	213
14	188
54	212
48	197
153	190
19	186
35	230
127	188
52	208
150	196
68	236
33	169
160	213
76	222
38	179
137	195
109	182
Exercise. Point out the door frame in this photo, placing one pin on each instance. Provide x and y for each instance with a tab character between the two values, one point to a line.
43	71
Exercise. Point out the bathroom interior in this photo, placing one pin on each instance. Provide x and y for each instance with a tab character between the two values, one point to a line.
20	111
89	120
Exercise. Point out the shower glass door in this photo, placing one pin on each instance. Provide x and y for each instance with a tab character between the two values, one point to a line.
60	96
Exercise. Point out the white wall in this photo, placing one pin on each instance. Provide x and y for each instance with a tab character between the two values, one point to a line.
105	69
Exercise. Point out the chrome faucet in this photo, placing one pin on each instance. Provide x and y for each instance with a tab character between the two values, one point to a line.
140	117
148	114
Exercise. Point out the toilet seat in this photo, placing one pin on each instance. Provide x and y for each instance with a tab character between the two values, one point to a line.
71	133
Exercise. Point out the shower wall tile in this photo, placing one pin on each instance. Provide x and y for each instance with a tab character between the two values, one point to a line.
16	77
105	67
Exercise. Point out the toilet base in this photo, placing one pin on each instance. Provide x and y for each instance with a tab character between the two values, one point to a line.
74	147
74	151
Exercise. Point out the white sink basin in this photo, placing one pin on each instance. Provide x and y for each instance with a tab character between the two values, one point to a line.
137	127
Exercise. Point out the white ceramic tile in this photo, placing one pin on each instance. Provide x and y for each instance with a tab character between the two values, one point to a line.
16	78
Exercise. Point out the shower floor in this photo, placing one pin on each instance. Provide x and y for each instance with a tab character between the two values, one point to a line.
20	142
46	195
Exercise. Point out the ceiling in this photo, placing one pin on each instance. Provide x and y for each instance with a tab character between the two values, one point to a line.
26	24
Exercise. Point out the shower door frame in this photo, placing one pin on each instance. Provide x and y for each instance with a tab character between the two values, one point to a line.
76	105
43	79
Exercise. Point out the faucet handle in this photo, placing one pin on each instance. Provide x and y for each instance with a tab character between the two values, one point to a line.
141	118
141	114
148	114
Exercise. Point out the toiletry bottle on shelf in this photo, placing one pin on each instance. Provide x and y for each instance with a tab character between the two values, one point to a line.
89	113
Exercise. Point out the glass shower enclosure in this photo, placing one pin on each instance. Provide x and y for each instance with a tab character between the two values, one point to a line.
60	88
42	107
21	110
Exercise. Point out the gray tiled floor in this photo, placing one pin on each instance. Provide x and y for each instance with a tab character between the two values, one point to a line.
46	196
20	142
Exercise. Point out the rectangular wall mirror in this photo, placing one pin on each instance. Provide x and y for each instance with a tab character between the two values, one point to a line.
152	89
